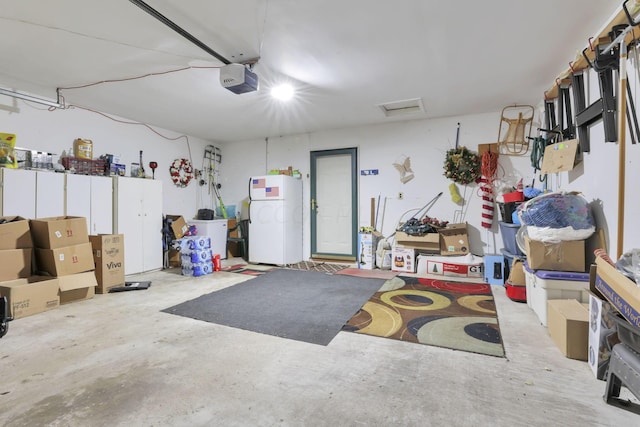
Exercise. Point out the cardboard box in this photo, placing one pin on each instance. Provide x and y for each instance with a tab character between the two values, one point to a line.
64	261
468	266
620	291
174	258
568	325
233	248
491	148
603	335
30	295
454	240
545	285
178	226
403	259
559	157
58	232
117	169
567	255
77	287
452	269
516	275
15	263
108	256
15	233
427	243
367	246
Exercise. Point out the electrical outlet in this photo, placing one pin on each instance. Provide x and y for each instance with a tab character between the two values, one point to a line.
401	195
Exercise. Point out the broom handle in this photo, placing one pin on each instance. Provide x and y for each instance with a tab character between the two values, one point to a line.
373	213
622	107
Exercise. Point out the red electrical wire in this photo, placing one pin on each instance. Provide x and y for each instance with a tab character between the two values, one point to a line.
489	167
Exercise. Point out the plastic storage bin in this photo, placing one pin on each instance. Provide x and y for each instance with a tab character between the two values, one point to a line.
543	285
508	233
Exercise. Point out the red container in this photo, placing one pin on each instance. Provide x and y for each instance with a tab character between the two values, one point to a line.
514	196
516	293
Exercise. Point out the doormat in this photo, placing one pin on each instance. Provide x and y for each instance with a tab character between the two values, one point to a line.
372	274
251	270
455	315
307	306
325	267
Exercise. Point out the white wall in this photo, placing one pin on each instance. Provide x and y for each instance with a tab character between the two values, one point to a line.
54	131
426	143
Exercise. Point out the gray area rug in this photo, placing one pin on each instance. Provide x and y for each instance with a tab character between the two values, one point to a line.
300	305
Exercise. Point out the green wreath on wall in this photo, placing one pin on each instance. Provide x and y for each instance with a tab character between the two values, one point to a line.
462	165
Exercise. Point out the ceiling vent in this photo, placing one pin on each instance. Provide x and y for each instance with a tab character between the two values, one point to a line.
402	108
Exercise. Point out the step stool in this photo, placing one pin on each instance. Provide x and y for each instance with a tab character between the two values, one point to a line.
624	370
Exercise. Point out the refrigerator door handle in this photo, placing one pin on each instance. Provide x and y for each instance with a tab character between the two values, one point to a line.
249	202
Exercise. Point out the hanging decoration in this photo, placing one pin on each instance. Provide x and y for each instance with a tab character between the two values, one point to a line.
518	120
488	170
455	194
181	172
404	169
462	165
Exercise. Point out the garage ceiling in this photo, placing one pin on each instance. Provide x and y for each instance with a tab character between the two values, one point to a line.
344	58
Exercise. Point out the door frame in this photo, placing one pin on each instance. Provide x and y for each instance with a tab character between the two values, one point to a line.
314	155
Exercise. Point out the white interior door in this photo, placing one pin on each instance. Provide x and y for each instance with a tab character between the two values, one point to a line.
333	204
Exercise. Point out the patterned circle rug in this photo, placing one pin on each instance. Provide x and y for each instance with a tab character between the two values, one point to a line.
460	316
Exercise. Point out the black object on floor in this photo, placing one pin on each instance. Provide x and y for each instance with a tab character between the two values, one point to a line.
301	305
131	286
4	316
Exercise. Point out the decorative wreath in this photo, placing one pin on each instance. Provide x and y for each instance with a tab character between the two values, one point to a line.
462	165
181	172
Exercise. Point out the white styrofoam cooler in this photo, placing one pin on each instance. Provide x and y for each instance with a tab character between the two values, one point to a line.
544	285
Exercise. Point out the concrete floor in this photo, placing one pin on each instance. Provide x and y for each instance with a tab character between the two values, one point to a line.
116	360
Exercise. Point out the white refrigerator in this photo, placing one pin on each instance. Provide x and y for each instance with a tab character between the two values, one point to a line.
275	219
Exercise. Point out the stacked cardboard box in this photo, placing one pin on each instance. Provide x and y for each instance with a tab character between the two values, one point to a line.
16	248
108	256
559	256
63	250
25	293
407	247
178	228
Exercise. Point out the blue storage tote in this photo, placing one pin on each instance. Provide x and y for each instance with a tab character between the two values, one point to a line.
544	285
508	233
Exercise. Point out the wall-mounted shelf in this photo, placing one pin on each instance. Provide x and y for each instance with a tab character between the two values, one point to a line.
579	63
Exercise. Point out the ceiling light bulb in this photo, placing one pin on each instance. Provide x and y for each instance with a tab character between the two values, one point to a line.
283	92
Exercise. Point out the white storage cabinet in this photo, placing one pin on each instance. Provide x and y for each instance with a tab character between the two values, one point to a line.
31	194
91	197
137	206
